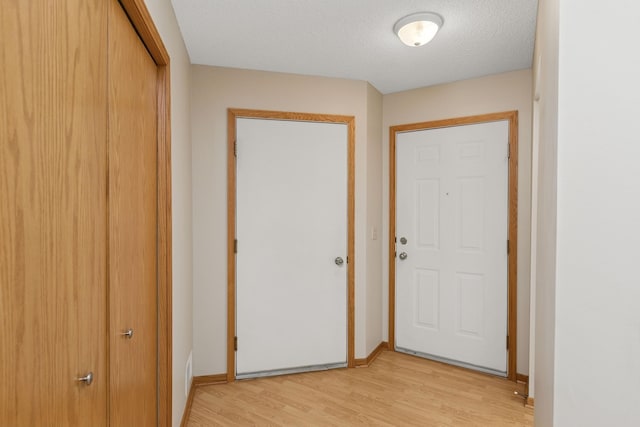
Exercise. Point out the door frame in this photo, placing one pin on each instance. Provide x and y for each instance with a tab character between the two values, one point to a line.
232	115
143	24
512	257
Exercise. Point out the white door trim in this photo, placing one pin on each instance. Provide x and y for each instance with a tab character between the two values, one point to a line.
232	116
512	118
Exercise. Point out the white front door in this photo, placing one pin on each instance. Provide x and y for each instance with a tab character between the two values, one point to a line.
451	226
291	303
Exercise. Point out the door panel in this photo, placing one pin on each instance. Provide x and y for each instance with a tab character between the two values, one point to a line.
451	289
470	304
132	225
428	213
291	225
470	211
427	300
52	212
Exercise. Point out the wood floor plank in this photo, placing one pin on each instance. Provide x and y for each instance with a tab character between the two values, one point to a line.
396	389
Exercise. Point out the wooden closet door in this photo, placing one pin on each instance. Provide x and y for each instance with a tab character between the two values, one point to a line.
53	134
132	225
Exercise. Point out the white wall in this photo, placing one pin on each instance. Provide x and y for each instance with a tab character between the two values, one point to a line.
500	92
163	16
587	316
546	78
213	90
535	149
597	342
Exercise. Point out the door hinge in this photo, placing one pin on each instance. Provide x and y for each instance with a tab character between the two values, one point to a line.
509	151
507	342
235	246
235	148
508	247
235	343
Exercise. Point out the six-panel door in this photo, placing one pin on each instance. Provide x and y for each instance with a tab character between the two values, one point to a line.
451	286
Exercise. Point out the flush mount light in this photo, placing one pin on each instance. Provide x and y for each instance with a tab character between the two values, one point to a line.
418	29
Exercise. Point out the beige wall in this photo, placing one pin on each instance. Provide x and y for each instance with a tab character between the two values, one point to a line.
200	96
213	90
165	20
374	220
500	92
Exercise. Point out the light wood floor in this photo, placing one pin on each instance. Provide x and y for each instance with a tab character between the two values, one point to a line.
395	390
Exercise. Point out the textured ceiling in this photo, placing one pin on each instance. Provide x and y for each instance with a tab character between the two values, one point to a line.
354	39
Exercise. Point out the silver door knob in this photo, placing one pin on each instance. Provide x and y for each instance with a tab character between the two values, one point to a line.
128	333
339	261
403	256
87	379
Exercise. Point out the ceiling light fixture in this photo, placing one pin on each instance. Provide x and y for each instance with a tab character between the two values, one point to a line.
418	29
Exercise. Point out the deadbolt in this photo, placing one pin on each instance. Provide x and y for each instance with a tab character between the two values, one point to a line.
403	240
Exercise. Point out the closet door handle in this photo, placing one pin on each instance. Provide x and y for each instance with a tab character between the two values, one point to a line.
128	333
87	379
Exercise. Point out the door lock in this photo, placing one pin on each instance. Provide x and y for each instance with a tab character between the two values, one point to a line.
403	256
339	261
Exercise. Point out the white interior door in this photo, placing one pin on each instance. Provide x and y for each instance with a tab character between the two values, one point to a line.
452	209
291	295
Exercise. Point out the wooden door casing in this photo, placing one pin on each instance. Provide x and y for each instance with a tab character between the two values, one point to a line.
140	19
232	116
